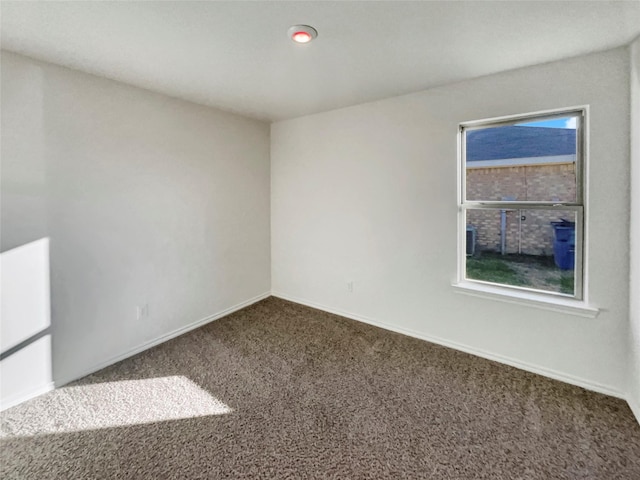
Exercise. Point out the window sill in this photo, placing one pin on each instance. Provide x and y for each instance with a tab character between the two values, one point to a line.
555	304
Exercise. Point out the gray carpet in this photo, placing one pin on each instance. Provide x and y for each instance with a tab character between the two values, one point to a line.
279	390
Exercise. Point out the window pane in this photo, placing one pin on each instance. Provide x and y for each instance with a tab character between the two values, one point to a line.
530	161
525	248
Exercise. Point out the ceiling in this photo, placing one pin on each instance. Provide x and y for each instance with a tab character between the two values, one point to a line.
236	55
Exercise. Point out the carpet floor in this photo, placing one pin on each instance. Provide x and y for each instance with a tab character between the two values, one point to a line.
279	390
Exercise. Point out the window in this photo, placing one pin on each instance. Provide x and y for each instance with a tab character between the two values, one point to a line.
521	203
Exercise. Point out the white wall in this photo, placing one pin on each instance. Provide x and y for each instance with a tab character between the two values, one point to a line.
25	322
148	199
368	194
144	199
634	317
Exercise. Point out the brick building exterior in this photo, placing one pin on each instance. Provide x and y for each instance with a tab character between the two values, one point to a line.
527	231
519	163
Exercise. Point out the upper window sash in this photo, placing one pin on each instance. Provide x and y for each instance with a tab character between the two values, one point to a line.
524	203
522	206
578	114
480	124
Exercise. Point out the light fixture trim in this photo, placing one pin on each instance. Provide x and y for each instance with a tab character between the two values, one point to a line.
302	33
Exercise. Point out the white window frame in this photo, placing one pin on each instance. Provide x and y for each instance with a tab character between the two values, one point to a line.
576	303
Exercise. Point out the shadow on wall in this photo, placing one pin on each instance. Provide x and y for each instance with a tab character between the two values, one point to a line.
25	323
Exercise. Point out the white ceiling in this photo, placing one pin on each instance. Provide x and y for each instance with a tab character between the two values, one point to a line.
236	55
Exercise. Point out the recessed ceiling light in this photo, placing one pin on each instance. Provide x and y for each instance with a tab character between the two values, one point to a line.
302	33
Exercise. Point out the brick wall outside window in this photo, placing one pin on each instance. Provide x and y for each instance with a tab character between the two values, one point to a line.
527	231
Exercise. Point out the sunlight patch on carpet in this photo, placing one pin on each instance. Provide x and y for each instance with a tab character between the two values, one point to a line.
114	404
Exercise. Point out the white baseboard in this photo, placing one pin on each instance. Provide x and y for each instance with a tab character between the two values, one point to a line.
545	372
157	341
25	395
28	395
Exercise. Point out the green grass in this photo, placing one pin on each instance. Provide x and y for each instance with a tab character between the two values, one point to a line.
534	271
566	284
489	269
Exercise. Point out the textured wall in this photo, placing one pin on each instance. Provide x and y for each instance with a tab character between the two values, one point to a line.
634	284
368	194
145	199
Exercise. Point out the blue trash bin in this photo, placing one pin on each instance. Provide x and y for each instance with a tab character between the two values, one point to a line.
564	244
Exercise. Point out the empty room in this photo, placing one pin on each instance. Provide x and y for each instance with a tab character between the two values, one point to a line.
348	240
